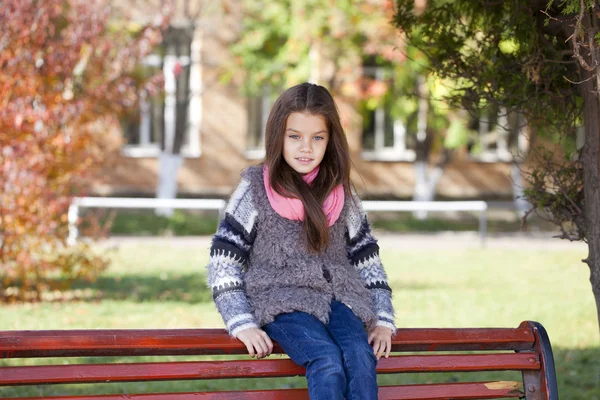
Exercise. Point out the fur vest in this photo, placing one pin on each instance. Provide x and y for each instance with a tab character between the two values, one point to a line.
282	276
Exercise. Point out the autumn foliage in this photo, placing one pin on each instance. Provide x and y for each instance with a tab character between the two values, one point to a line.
68	69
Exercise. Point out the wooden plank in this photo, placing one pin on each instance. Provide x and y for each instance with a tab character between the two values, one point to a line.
137	372
291	394
454	391
457	391
138	342
440	339
459	363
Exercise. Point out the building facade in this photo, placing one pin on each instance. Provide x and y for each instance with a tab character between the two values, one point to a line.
219	131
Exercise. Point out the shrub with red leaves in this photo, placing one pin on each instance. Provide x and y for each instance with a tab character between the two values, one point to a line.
68	70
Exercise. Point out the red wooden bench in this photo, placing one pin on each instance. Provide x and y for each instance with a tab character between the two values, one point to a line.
526	349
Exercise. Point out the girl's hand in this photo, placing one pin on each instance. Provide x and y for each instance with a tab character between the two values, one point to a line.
257	342
380	338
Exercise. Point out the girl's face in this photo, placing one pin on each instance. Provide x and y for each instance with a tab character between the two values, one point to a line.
305	141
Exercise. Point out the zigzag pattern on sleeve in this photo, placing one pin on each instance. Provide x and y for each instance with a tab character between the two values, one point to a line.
363	252
229	251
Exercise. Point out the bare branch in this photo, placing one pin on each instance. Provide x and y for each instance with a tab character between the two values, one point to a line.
525	216
562	190
559	61
566	235
550	16
576	44
577	83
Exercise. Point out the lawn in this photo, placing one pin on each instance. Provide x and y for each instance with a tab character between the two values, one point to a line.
163	285
183	223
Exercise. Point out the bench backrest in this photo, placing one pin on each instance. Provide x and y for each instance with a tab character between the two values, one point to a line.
525	348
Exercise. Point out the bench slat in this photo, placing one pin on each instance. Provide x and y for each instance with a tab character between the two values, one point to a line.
137	372
455	391
137	342
458	391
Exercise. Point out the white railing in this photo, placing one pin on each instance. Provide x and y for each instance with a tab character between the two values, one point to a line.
128	202
474	205
218	204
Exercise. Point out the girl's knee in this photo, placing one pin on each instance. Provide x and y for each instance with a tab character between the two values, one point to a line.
362	357
326	378
328	368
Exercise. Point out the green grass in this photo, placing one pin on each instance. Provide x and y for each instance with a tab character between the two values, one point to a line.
164	286
406	222
146	223
182	223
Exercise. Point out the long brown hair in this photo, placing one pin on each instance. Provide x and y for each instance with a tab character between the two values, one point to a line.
334	169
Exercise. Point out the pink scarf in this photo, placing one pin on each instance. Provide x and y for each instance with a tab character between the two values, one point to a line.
293	209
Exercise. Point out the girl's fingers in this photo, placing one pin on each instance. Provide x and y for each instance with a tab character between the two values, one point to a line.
381	349
371	337
250	348
269	342
376	346
261	347
389	347
264	342
257	342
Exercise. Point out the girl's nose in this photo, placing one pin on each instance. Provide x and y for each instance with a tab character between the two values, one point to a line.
306	145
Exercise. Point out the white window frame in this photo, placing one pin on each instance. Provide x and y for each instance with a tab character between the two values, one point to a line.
500	135
380	152
258	152
191	147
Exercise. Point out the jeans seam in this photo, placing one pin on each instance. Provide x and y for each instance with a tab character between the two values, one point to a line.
293	343
349	375
350	393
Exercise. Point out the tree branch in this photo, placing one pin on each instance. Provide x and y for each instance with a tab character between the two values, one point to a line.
578	83
566	235
576	44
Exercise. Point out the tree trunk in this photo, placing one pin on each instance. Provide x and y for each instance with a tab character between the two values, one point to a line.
424	184
590	157
591	179
521	205
177	99
169	160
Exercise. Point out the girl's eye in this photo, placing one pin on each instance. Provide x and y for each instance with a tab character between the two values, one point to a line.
293	136
319	137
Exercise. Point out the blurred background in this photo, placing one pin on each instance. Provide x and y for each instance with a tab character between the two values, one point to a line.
224	63
169	100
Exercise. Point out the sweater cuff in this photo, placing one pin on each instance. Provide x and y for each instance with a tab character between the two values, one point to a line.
235	310
382	301
246	323
386	320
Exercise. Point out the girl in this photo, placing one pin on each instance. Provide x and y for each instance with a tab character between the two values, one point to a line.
294	260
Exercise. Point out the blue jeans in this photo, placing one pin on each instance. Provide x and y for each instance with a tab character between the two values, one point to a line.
338	359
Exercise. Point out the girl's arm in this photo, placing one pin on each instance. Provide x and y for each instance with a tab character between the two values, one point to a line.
363	252
228	256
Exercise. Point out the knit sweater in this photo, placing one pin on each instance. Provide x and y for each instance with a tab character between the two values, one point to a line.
259	266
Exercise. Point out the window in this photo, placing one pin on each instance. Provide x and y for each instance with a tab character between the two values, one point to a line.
155	125
499	136
258	112
384	138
